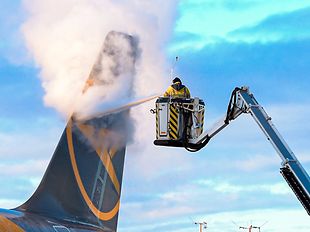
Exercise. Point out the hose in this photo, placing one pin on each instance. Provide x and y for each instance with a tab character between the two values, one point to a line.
232	103
196	147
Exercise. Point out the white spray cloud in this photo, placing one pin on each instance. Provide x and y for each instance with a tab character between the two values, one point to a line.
112	76
65	36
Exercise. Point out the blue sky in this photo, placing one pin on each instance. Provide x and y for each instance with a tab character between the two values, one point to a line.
261	44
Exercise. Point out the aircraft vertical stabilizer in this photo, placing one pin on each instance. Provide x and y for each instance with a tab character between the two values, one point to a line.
83	181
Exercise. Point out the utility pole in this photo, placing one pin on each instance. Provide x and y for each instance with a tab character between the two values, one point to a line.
202	225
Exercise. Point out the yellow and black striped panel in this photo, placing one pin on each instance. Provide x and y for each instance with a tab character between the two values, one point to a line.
157	124
202	114
173	123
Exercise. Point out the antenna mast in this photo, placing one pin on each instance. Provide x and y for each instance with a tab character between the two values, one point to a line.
173	66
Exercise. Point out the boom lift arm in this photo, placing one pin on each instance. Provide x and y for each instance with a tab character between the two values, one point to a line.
242	101
172	124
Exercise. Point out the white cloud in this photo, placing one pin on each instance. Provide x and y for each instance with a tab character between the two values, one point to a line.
255	162
9	203
29	168
30	144
169	211
280	188
214	20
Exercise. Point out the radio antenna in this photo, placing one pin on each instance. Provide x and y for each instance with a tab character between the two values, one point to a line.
173	66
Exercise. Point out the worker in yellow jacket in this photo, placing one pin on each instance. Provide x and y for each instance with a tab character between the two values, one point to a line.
177	89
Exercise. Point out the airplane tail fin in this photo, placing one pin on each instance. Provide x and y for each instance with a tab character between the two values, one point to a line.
83	180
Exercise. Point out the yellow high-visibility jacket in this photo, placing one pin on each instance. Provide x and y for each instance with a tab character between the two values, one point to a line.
177	90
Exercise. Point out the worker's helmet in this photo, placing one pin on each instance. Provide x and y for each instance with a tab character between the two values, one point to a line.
176	80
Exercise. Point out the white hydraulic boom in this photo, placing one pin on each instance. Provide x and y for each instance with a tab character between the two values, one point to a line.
241	101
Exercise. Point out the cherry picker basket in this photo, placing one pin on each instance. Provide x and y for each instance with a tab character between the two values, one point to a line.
178	119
